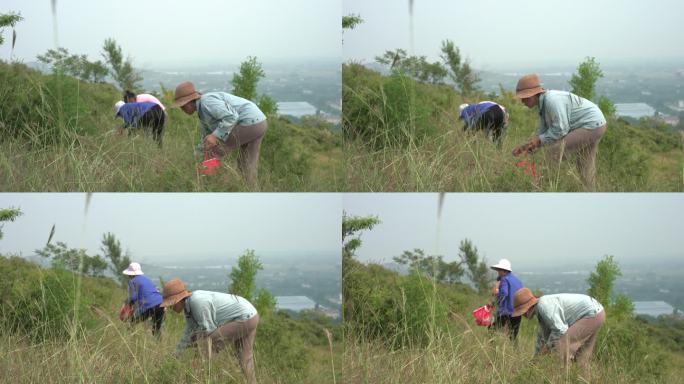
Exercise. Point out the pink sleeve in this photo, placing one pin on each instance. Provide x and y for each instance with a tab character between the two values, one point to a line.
144	97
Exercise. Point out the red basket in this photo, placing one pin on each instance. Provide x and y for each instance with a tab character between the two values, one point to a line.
126	312
483	315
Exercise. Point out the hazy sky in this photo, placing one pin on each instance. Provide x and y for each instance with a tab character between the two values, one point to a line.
159	226
531	230
499	33
172	31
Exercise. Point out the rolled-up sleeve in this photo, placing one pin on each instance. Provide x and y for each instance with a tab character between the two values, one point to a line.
552	317
224	115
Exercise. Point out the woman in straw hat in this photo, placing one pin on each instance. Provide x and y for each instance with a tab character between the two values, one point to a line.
568	124
220	318
146	115
507	284
228	122
145	297
568	322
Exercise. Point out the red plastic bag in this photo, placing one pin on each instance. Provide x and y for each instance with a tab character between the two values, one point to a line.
209	166
483	315
126	312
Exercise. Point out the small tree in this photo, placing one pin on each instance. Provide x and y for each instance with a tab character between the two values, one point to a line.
74	65
245	85
73	259
433	267
478	272
118	260
9	20
602	279
243	277
460	72
583	82
351	226
350	22
8	214
121	70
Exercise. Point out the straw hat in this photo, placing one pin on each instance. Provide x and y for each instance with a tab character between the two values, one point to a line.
523	299
133	270
528	86
174	291
118	106
185	93
502	264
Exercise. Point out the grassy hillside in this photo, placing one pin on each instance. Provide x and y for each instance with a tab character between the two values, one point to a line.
58	134
408	329
57	327
402	135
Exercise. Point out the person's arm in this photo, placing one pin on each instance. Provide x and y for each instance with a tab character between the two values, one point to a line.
132	292
503	293
552	316
222	112
556	122
197	323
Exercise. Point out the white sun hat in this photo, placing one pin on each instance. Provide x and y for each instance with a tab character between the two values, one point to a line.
502	264
461	108
118	106
133	270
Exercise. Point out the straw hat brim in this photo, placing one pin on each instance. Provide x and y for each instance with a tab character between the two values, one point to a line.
525	93
172	300
185	99
522	309
132	273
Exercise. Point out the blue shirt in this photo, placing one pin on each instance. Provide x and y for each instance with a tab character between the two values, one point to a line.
206	310
143	294
132	112
220	112
557	313
472	113
561	112
508	286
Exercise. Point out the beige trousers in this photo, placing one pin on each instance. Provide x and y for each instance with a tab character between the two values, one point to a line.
584	143
248	139
242	334
577	344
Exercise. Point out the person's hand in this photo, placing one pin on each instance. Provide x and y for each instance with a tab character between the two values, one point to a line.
211	141
527	147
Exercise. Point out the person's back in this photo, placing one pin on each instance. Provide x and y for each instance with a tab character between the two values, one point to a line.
133	112
559	311
218	308
145	97
509	284
215	107
562	111
143	293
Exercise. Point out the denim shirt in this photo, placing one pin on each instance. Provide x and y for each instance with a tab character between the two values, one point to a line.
220	112
205	311
561	112
557	313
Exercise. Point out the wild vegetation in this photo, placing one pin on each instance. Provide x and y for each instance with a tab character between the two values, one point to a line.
59	325
402	133
414	328
58	133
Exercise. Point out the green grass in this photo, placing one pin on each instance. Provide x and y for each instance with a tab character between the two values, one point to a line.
402	330
401	135
60	135
96	346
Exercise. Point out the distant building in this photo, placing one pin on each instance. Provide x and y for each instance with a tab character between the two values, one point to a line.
296	108
653	308
634	110
294	303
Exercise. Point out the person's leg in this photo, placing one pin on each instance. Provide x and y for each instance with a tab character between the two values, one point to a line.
238	331
158	122
141	316
515	326
586	157
248	138
578	342
157	320
495	124
585	352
